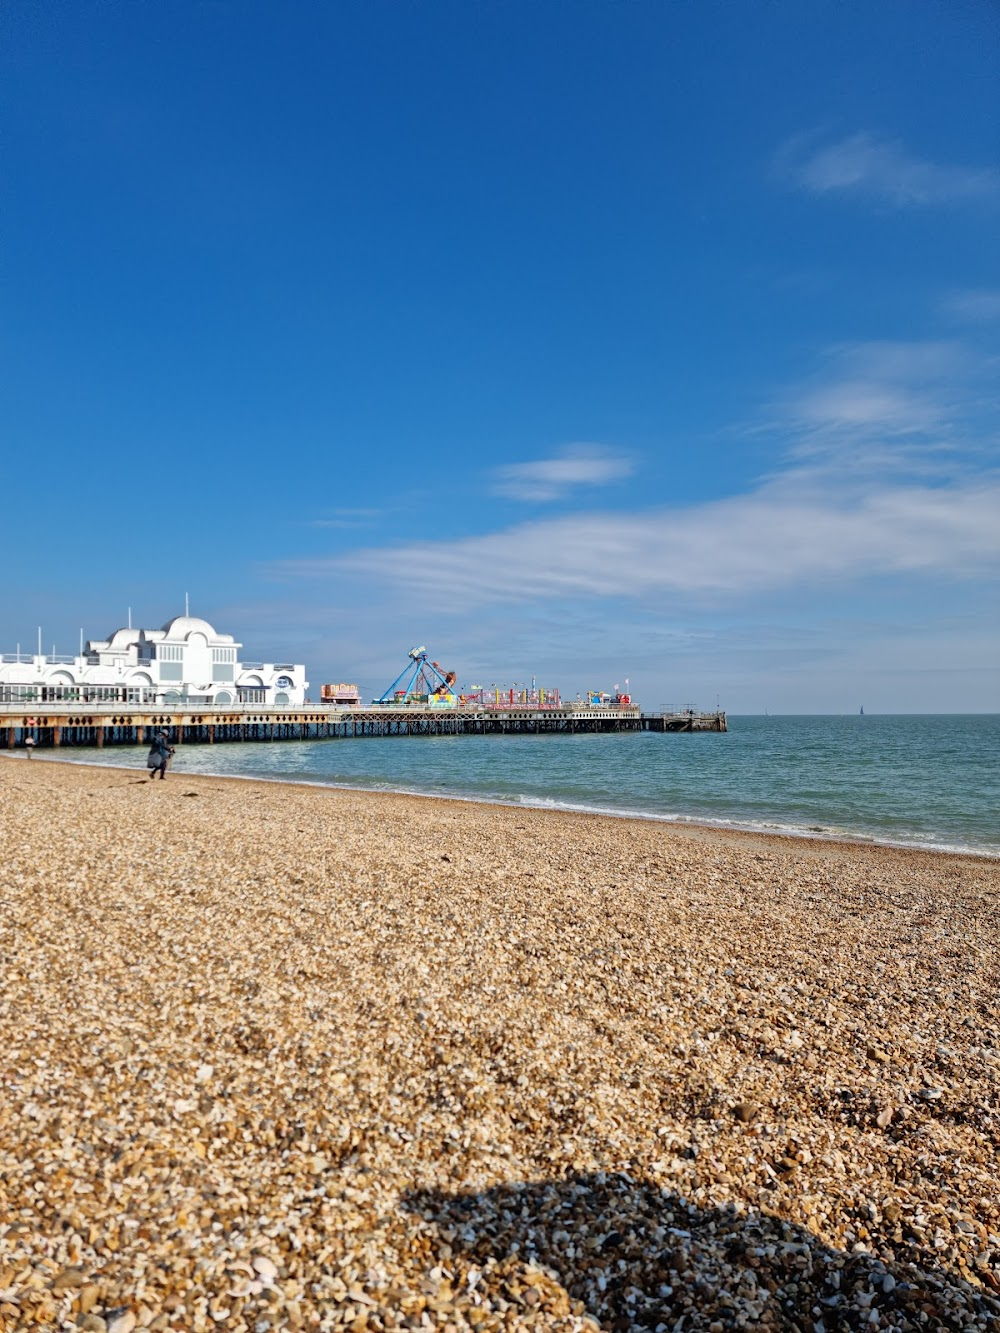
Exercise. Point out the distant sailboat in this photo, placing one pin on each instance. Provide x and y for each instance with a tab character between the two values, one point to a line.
862	710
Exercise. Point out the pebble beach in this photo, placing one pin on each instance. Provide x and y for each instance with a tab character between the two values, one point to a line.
287	1057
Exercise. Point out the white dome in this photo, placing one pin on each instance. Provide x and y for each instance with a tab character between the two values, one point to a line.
181	626
123	637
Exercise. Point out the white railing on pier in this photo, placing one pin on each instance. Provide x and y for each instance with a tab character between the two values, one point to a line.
65	707
28	659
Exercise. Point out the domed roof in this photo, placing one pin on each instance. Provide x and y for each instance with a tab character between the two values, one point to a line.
181	626
123	636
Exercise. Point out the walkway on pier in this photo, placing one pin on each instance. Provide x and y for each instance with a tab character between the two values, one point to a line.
99	725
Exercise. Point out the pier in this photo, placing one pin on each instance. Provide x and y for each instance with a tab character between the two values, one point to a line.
684	720
57	726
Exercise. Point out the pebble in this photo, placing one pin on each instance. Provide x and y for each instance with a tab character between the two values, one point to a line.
265	1268
584	1073
68	1278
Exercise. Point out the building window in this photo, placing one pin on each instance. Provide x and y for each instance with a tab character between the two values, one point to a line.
222	673
171	671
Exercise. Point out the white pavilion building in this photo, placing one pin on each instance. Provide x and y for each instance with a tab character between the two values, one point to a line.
186	661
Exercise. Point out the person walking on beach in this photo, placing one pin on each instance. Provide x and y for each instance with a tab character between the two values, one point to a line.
158	756
29	740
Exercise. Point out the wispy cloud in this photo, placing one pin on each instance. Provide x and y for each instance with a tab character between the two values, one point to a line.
778	536
878	481
347	518
883	169
892	409
870	396
975	305
547	479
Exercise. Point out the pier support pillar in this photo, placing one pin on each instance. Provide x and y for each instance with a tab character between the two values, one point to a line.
100	737
10	738
211	733
57	736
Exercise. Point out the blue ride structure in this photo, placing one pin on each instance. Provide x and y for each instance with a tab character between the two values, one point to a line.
425	683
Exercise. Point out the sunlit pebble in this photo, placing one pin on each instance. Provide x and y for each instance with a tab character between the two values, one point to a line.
265	1268
123	1323
257	1046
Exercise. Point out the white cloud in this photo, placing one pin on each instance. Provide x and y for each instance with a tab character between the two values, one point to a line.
875	484
347	518
865	164
547	479
976	305
854	403
879	390
786	533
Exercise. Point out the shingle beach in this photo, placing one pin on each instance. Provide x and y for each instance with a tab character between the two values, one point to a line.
286	1057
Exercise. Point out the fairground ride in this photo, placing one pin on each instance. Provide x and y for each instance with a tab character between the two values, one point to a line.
425	683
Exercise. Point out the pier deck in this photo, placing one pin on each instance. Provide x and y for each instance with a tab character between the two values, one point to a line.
58	725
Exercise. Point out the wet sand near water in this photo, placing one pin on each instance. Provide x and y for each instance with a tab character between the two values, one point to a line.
276	1056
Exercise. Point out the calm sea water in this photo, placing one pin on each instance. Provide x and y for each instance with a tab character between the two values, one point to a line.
920	781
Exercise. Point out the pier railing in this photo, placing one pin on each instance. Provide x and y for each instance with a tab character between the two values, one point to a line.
27	659
100	708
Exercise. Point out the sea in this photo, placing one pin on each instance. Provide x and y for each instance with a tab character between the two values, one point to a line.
912	781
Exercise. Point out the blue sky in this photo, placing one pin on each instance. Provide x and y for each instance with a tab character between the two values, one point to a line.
583	341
